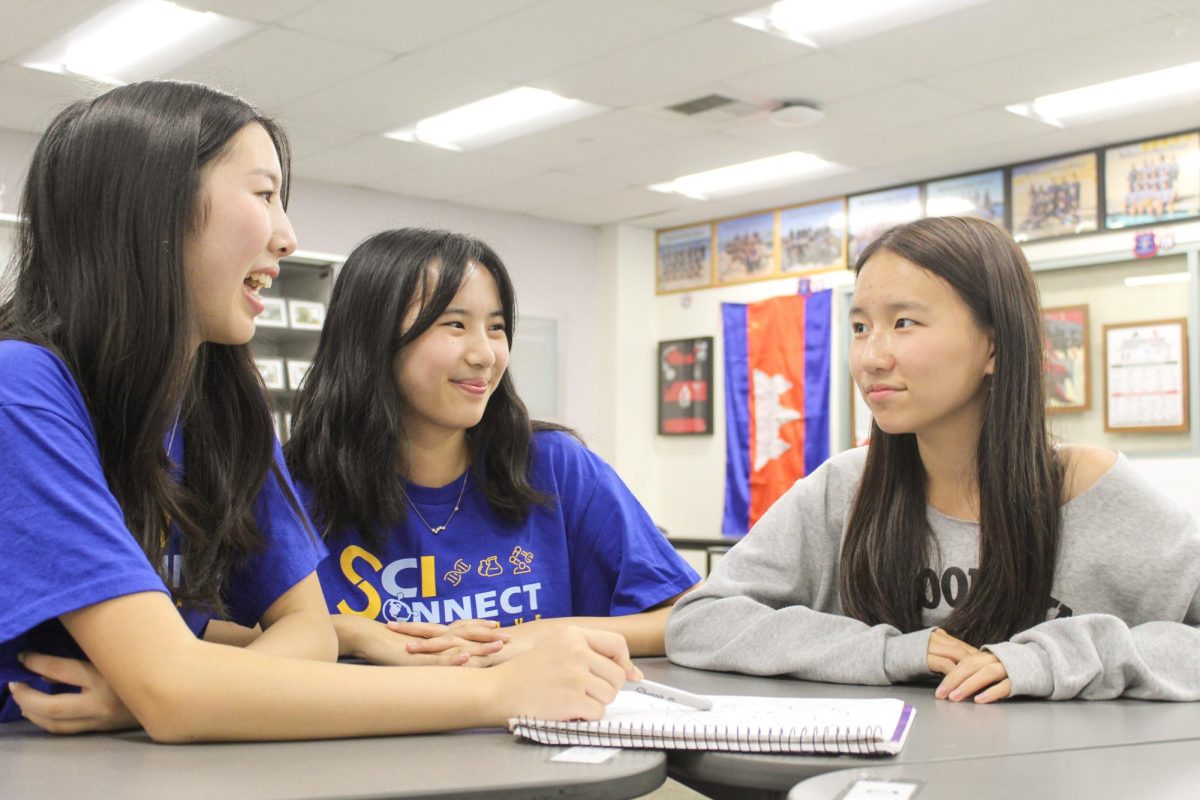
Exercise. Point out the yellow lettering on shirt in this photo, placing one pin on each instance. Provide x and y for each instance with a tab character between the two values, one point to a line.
374	602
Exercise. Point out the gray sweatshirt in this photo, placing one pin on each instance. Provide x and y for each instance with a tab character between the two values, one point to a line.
1124	614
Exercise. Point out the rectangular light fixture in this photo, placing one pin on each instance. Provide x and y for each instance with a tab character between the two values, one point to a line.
821	23
749	176
1153	280
1118	98
517	112
136	39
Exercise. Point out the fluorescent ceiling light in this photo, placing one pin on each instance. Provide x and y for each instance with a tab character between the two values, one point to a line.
750	175
1151	280
821	23
1124	96
507	115
136	39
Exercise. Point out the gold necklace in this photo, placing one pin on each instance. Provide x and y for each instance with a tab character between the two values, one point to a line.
442	527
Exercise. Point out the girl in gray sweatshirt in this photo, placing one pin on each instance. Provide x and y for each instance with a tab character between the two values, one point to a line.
961	544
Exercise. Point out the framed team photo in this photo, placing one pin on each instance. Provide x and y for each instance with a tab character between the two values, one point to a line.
1157	180
684	258
746	248
1066	365
870	215
812	238
296	372
274	313
685	376
271	370
979	195
306	314
1055	197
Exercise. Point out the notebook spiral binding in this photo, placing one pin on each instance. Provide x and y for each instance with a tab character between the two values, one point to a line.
826	739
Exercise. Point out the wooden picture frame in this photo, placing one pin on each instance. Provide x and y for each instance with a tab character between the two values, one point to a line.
1152	181
747	248
272	372
1067	352
685	387
979	194
1146	376
872	214
812	237
1055	197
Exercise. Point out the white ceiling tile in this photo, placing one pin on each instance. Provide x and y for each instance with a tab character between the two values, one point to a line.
669	161
33	98
696	57
625	204
547	189
397	26
715	7
259	10
458	175
396	94
1131	50
29	24
1143	125
989	32
591	139
543	39
273	66
307	138
364	159
820	77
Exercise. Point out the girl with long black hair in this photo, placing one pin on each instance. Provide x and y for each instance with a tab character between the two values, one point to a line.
142	493
961	542
446	510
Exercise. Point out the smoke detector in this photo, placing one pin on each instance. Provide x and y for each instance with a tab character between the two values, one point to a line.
794	114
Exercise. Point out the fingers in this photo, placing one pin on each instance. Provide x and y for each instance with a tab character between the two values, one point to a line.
425	630
614	647
476	630
973	675
1000	691
59	670
944	647
443	643
53	712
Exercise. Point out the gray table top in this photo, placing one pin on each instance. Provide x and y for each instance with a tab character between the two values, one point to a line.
1162	770
942	731
492	763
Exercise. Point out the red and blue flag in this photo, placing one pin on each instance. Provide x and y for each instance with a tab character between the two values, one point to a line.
776	400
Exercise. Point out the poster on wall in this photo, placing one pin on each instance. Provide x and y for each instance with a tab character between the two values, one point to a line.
1065	359
980	195
1055	197
812	238
685	387
1157	180
684	258
869	215
1146	371
746	248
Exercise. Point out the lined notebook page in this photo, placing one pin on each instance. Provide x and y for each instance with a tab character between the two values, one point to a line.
744	724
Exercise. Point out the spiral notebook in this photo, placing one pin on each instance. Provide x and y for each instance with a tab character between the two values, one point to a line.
735	723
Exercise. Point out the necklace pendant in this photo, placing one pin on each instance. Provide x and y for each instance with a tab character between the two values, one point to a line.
437	530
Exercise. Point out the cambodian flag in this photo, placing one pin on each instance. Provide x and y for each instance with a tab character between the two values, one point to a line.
776	400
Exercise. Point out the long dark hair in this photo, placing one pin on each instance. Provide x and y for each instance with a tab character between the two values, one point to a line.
1019	476
112	195
347	435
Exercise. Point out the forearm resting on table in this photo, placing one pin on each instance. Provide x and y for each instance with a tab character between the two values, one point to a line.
643	632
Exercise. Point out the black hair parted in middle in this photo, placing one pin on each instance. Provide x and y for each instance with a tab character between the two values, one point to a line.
348	442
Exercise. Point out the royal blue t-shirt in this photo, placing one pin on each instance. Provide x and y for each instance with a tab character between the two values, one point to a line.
63	540
594	551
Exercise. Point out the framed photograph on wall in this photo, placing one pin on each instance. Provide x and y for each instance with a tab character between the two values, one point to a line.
978	195
1157	180
274	313
812	238
297	370
684	258
1055	197
1146	387
306	314
746	248
271	370
1066	370
869	215
685	375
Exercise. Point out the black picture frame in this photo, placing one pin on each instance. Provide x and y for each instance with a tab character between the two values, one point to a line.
685	387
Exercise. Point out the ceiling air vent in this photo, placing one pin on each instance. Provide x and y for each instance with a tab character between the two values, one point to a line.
715	107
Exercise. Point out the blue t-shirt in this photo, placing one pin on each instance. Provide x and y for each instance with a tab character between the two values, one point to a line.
63	540
593	552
